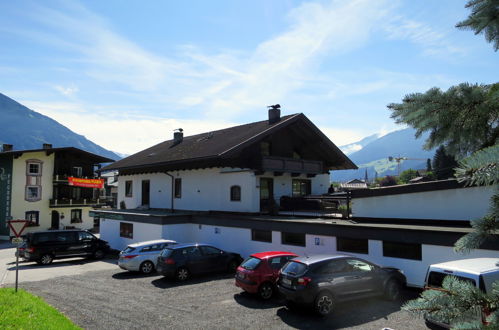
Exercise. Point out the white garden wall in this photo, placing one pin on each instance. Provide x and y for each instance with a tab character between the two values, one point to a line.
449	204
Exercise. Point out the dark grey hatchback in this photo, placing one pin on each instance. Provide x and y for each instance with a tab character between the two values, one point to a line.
181	260
324	280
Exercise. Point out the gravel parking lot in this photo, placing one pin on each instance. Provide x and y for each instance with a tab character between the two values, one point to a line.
114	299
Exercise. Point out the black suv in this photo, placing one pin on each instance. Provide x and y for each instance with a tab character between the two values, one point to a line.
182	260
45	246
324	280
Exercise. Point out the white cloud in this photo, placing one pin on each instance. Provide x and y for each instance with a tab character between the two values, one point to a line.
225	84
433	41
66	91
126	135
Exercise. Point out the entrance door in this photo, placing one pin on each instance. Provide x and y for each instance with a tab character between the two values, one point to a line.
55	220
266	194
145	192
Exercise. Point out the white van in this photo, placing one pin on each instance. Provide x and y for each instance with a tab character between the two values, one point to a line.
481	272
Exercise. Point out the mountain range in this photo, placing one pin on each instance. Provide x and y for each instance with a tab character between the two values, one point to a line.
373	154
28	129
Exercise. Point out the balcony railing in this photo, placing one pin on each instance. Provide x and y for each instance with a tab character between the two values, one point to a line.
64	177
63	202
291	165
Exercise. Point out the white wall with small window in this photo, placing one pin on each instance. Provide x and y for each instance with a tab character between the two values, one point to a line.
413	259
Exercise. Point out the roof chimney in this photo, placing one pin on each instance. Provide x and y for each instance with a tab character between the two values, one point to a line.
7	147
178	136
47	146
274	113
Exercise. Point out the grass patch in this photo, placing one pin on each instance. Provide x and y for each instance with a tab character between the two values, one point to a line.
22	310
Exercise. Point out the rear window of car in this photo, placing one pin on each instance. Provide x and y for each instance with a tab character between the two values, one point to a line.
294	268
251	263
166	253
128	249
435	279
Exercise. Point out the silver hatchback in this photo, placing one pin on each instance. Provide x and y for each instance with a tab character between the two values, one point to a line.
142	256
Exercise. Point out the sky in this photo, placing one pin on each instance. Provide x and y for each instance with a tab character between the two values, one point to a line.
125	74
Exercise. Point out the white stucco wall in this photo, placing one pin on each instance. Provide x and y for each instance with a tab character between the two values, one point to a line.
239	240
110	232
209	189
450	204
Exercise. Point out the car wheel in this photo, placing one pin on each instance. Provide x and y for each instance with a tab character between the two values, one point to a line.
232	266
324	303
392	290
99	254
46	259
266	291
182	274
146	267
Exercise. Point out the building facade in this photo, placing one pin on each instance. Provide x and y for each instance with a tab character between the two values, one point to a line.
52	188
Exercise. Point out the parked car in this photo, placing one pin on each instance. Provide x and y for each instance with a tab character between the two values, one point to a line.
142	256
480	272
182	260
324	280
45	246
260	271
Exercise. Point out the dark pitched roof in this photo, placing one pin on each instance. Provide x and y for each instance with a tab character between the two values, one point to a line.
220	144
94	157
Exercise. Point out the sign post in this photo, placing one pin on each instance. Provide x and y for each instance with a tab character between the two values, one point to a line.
17	227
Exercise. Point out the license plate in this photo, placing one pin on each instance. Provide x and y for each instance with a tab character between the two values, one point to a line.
286	281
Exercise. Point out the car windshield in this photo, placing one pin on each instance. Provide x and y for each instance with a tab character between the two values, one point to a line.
128	249
251	263
294	268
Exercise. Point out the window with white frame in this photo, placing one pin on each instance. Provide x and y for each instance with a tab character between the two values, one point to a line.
33	217
33	193
33	167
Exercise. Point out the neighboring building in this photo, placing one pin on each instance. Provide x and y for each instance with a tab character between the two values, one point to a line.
53	188
245	168
353	184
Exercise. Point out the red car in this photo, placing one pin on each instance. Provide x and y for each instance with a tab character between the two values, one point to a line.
260	271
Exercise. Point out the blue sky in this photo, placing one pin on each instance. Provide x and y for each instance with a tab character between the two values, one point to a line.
126	73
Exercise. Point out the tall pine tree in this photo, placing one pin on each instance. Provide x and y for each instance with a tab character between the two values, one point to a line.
465	119
443	164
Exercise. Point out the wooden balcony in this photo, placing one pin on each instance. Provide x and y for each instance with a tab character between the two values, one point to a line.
69	202
291	165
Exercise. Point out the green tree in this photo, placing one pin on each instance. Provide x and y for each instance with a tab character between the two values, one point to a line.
465	119
443	164
428	165
388	181
407	175
484	18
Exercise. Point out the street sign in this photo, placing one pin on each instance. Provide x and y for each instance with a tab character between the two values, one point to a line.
17	240
18	226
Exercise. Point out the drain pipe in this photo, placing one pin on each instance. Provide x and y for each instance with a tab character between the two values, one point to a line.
173	189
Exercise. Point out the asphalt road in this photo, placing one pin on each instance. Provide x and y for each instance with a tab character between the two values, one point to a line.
114	299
